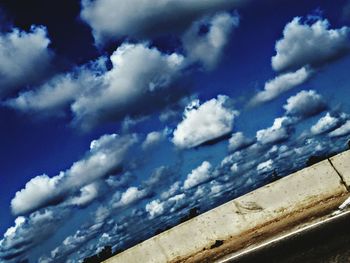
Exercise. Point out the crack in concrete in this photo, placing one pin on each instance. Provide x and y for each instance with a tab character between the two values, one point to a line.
340	175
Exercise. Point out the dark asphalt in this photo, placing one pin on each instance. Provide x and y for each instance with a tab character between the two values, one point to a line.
328	243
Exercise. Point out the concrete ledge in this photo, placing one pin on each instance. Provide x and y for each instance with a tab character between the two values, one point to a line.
313	191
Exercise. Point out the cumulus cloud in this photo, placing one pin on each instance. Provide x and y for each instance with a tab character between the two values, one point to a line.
264	167
207	48
54	96
199	175
105	156
305	104
86	195
35	193
130	85
282	83
152	139
131	195
342	130
155	208
279	131
301	46
149	19
238	141
324	124
202	123
19	51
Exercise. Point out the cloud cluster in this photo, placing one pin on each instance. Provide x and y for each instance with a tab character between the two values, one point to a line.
205	122
104	157
301	46
19	51
130	87
149	19
29	232
96	94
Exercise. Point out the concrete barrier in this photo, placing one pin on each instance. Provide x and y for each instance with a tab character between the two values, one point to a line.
311	192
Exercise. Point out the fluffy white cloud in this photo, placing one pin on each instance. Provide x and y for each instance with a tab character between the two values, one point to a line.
129	84
155	208
150	18
19	51
282	83
59	92
202	123
35	193
105	155
301	46
19	221
87	194
342	130
265	166
238	141
131	195
305	104
279	131
324	124
199	175
152	139
207	48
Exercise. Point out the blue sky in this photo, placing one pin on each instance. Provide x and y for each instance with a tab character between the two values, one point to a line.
119	117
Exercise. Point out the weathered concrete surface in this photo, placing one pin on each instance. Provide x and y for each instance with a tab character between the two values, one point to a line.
277	207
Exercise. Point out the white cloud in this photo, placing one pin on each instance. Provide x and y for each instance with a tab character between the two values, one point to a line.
199	175
152	139
282	83
19	221
279	131
19	51
174	188
129	84
208	48
238	141
305	104
202	123
87	194
155	208
324	124
35	193
342	130
105	155
59	92
146	18
301	44
131	195
264	167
